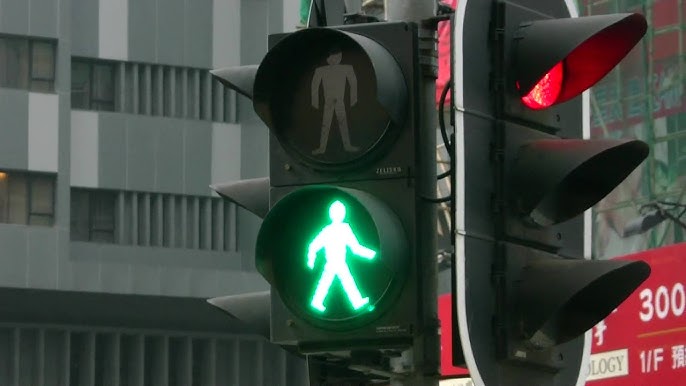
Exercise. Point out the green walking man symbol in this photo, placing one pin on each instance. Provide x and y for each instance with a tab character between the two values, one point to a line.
335	239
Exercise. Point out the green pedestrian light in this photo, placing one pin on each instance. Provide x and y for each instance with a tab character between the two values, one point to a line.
335	239
337	256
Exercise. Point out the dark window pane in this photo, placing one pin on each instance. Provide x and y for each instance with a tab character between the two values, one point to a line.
39	219
42	66
102	216
42	195
144	89
17	199
167	91
4	197
156	81
103	87
178	92
14	56
191	93
79	215
80	85
42	203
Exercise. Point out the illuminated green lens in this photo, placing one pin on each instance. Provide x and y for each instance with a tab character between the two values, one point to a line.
337	257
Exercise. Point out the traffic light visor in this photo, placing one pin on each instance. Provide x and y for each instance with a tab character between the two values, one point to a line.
557	179
560	299
558	59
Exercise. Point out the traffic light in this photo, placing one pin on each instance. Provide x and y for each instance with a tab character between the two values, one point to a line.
350	217
526	292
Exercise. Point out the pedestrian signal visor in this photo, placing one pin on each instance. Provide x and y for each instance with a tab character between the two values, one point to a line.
338	257
556	60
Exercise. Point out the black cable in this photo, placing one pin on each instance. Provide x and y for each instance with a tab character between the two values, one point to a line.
444	174
441	119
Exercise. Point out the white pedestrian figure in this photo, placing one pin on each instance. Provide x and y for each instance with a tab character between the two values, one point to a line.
335	239
333	78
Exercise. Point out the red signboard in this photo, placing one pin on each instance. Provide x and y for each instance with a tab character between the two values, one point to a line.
444	315
643	342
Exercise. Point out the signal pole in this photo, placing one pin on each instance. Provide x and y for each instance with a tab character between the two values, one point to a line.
425	354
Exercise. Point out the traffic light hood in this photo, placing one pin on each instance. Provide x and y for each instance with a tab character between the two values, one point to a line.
557	179
586	47
240	78
578	295
287	70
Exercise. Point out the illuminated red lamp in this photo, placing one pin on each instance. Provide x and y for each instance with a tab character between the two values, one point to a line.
547	90
558	59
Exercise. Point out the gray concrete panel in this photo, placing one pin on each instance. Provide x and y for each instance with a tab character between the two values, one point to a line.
254	28
43	19
203	282
170	31
112	153
235	282
197	44
64	274
42	258
115	277
154	257
14	120
64	25
85	276
275	16
63	62
142	144
84	27
13	239
255	149
248	226
63	160
14	18
170	157
175	281
143	30
197	157
146	279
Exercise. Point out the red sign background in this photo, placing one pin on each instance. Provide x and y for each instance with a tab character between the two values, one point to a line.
444	315
643	343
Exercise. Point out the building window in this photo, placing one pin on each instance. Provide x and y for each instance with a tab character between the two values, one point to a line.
27	63
27	198
92	85
151	89
92	215
152	219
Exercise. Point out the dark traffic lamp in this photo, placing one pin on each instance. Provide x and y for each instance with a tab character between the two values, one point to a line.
526	173
347	222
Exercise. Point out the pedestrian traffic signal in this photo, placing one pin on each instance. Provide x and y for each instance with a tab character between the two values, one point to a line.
341	260
352	174
526	173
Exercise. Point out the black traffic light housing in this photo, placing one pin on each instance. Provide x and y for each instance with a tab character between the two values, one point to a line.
383	174
526	173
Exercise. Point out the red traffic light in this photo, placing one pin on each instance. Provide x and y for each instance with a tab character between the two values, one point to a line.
547	90
558	59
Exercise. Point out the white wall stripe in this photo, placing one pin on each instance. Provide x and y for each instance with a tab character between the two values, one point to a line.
113	29
43	131
226	32
226	152
84	149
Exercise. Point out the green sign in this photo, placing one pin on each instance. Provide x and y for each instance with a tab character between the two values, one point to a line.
337	257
